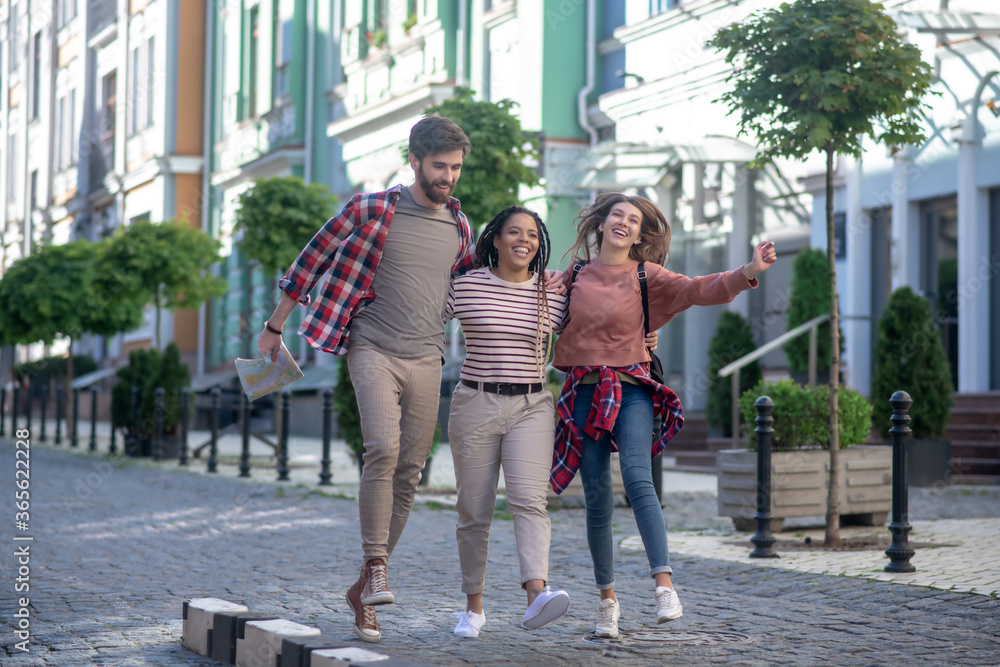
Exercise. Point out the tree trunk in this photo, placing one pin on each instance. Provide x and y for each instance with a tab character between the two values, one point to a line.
156	323
832	506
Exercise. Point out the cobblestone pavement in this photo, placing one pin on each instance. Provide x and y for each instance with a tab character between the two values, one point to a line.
118	545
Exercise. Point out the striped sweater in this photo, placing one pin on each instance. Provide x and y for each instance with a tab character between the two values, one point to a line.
500	322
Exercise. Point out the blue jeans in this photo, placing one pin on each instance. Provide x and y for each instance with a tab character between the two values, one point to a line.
633	431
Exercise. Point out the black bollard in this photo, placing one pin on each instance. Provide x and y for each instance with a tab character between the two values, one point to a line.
159	408
3	407
60	410
899	552
112	448
213	448
763	539
136	438
15	394
27	413
325	475
45	396
283	440
245	450
93	419
185	397
73	442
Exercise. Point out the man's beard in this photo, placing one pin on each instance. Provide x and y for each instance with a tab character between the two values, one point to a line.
430	191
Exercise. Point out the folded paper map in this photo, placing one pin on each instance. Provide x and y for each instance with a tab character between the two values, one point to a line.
260	377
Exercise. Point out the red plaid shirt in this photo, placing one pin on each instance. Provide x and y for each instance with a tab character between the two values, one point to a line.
349	246
603	413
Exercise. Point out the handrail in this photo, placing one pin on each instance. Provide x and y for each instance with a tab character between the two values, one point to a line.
733	369
777	342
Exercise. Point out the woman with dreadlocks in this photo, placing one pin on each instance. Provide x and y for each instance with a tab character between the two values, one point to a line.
501	413
609	399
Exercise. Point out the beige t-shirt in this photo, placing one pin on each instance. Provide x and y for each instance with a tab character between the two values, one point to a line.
411	283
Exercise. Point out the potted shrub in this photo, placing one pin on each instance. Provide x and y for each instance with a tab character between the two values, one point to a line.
147	370
733	339
800	458
909	356
810	297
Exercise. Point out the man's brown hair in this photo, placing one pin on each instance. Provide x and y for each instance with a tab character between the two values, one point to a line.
436	134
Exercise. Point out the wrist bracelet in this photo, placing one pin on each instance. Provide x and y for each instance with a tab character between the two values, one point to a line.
267	325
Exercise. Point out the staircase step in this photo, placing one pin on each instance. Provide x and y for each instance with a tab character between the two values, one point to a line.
974	417
978	401
982	432
973	466
976	480
697	459
975	449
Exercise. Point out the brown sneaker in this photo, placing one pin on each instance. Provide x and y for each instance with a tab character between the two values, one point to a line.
376	588
365	625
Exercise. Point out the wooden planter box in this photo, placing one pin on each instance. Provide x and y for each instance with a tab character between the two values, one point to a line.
799	485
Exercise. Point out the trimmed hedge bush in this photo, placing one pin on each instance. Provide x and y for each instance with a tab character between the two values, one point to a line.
733	339
802	415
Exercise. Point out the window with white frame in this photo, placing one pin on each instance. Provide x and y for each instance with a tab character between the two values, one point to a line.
150	80
134	79
36	75
14	36
66	11
284	17
13	168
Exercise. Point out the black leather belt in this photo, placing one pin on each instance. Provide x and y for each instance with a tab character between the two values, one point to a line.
504	388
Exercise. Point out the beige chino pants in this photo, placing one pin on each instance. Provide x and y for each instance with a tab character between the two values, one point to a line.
398	400
485	432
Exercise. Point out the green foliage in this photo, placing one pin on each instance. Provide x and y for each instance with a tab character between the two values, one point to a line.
346	405
909	357
810	297
733	339
149	369
55	292
54	367
802	415
818	74
494	170
278	216
167	264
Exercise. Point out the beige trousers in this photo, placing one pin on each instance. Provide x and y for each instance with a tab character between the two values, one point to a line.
398	400
485	432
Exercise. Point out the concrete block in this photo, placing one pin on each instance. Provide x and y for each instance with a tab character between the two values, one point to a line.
344	657
199	616
260	645
297	651
391	662
229	627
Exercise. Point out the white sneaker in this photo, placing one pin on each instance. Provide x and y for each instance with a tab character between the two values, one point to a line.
607	618
668	606
547	607
469	623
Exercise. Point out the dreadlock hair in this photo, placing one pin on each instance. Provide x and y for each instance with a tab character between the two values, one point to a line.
487	255
655	230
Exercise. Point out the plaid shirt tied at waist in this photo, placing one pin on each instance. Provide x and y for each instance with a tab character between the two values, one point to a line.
603	413
349	247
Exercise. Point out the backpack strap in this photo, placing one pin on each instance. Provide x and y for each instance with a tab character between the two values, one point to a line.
645	296
576	270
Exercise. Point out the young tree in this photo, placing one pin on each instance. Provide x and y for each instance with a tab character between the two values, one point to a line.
54	293
819	75
166	264
495	169
277	217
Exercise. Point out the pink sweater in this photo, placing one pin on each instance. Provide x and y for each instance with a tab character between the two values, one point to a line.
605	309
